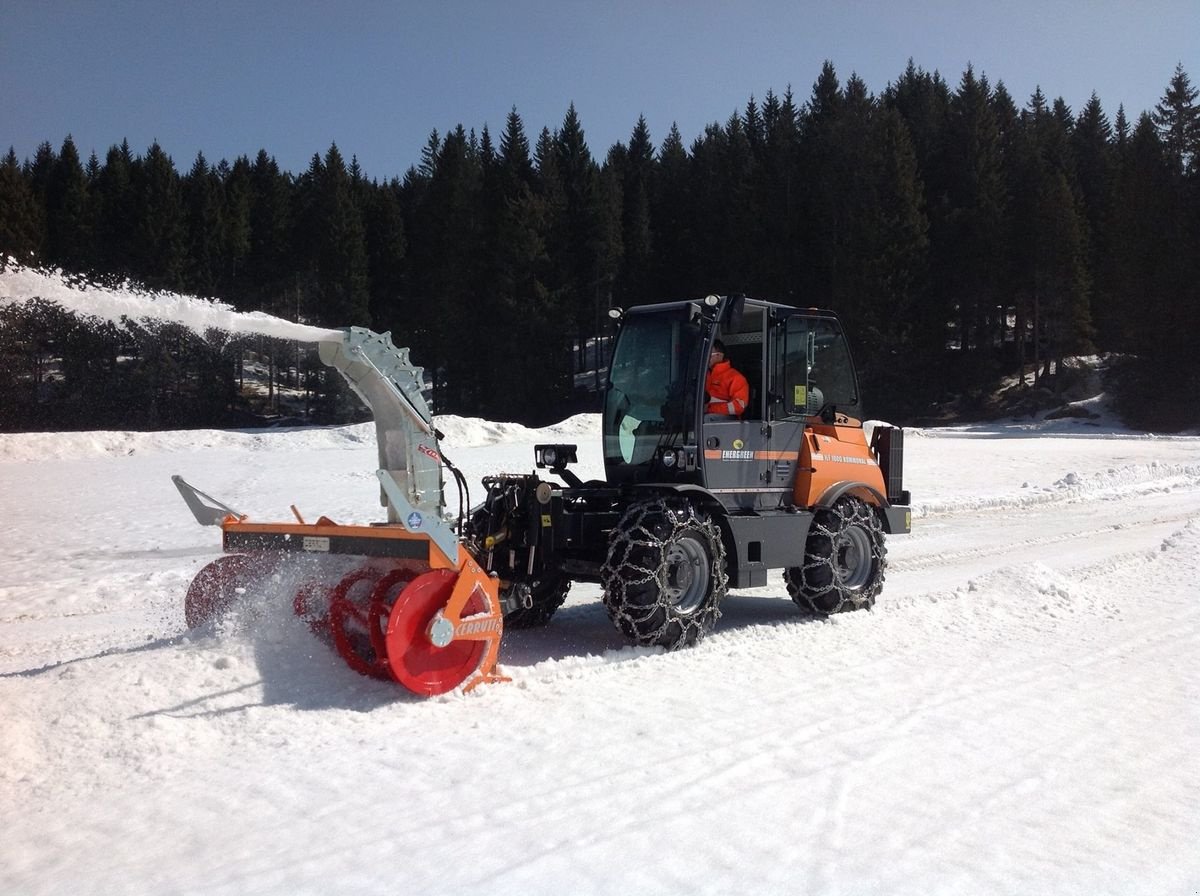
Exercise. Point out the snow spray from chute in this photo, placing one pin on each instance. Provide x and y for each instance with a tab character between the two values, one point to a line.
20	284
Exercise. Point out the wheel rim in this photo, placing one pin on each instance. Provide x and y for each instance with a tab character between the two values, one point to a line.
687	574
853	558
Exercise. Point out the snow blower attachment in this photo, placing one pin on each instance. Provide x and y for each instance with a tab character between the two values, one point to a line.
692	505
400	600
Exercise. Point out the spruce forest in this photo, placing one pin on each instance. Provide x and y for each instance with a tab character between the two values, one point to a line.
962	234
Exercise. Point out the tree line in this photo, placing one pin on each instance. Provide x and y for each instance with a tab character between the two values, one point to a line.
961	237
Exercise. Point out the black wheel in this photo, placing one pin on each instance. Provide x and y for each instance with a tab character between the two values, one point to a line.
664	577
546	596
844	560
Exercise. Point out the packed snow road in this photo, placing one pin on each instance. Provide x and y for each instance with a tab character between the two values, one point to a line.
1018	714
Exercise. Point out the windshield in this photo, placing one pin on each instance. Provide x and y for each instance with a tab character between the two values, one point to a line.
653	384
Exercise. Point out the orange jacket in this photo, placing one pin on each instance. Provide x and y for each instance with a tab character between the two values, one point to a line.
728	391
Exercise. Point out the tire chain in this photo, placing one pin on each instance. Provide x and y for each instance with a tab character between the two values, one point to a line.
829	523
634	535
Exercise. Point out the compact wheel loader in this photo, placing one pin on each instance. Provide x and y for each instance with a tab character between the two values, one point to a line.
691	506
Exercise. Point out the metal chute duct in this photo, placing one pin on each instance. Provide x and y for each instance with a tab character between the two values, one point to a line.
390	385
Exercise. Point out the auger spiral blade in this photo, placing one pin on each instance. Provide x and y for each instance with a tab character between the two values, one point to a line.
222	583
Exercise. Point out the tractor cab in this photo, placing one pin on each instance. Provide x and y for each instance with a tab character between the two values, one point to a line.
799	371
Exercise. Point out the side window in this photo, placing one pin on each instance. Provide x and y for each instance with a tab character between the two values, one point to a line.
831	371
794	342
744	349
812	368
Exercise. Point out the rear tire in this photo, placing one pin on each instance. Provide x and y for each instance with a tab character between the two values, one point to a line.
844	560
664	577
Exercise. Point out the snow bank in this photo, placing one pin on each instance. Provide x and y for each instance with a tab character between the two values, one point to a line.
459	432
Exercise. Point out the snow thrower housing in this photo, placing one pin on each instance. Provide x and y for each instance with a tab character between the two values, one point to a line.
691	506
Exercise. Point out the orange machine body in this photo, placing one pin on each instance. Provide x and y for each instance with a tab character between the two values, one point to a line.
832	454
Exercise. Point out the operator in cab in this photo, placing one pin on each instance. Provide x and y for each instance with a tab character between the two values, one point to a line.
728	391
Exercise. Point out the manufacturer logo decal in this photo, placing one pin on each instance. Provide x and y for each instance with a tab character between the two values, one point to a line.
428	452
737	455
415	520
477	626
739	444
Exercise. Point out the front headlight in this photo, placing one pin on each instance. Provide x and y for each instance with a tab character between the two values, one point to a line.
669	458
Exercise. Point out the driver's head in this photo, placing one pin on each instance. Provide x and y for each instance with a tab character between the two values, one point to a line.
717	355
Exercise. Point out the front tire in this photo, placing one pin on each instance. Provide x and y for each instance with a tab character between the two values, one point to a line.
844	560
546	596
664	577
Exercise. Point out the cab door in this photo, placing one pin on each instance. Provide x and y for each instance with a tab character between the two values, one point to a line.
750	463
789	397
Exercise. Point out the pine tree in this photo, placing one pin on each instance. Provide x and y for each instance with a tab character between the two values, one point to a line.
1052	270
923	100
203	201
273	262
777	193
525	312
20	230
1091	144
584	248
445	252
339	261
755	126
893	308
114	212
1178	120
636	173
849	193
383	219
237	192
159	230
820	210
827	96
671	222
69	238
40	173
968	266
1121	131
1153	275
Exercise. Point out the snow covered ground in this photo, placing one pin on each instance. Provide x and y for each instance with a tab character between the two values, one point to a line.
1019	714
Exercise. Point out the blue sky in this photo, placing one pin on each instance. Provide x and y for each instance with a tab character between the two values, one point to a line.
376	77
